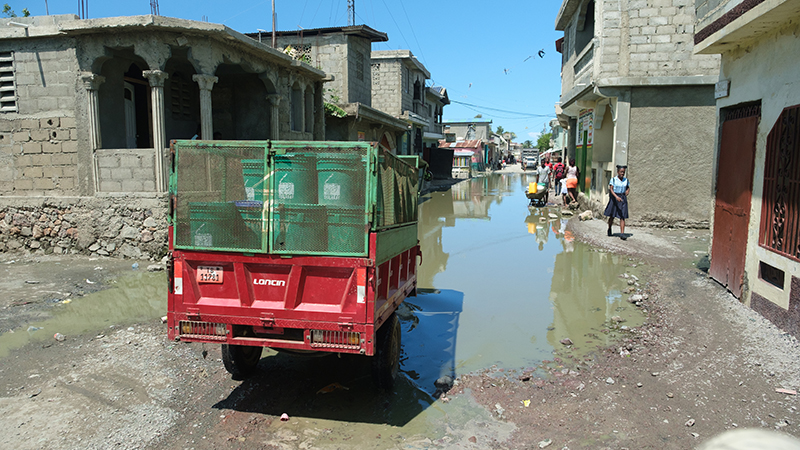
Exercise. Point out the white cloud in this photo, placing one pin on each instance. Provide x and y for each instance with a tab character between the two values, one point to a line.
534	135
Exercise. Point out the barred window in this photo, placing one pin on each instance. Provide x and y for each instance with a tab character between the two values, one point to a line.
180	97
359	65
8	87
376	74
780	214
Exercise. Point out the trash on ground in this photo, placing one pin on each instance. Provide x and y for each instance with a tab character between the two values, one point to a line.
59	337
284	417
332	387
545	443
786	391
526	403
88	281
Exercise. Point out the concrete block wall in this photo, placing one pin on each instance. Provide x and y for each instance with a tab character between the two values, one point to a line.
359	91
708	11
648	38
39	142
387	86
39	156
126	170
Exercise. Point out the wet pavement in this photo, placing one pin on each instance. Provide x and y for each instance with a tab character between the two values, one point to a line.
500	284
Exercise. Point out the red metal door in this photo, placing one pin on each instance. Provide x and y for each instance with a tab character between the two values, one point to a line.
732	206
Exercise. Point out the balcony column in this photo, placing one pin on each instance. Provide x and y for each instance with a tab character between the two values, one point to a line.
92	82
156	78
275	125
206	83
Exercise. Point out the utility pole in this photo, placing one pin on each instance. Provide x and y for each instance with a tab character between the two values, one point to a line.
351	12
274	38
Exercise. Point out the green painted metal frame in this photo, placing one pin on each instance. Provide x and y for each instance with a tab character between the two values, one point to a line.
272	149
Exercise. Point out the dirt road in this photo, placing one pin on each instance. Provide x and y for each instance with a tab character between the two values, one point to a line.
701	365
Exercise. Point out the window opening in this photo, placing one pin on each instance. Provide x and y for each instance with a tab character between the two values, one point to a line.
297	108
8	85
359	65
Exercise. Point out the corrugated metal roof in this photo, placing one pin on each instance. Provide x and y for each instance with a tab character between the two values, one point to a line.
474	143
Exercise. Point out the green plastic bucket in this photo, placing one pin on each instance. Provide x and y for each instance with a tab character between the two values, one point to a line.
346	230
253	173
300	229
340	179
294	179
225	225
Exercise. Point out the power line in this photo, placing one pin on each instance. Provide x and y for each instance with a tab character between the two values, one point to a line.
399	30
531	115
410	25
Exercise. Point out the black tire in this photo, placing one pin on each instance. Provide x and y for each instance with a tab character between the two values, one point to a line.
386	361
241	360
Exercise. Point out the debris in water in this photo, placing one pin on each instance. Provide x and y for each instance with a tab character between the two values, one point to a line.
609	380
332	387
31	281
786	391
89	281
545	443
566	341
32	329
59	337
135	266
690	422
526	403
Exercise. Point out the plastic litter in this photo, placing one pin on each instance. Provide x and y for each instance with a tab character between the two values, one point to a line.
135	266
59	337
284	417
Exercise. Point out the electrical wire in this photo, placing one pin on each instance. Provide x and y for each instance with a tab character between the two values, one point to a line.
501	110
411	26
399	30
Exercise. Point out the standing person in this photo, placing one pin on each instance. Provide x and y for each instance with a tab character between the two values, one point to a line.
559	171
618	187
544	177
572	181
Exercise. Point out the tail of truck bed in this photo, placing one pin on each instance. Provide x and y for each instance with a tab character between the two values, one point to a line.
301	246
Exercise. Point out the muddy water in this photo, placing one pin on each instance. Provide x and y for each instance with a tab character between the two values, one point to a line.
514	282
133	298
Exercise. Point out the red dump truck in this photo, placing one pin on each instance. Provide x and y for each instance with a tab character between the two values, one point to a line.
297	246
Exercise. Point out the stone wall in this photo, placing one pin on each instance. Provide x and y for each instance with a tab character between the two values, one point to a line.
123	226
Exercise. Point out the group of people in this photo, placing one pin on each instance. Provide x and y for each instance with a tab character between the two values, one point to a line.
565	180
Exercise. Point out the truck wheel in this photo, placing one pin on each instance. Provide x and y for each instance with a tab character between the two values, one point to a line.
386	361
240	360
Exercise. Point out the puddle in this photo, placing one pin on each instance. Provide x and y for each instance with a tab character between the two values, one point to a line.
132	298
524	283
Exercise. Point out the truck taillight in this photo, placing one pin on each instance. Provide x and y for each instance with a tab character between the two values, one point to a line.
205	329
335	339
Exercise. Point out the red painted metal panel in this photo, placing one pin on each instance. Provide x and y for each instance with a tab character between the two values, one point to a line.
732	205
281	300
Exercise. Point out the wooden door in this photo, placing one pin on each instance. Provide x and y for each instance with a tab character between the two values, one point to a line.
732	205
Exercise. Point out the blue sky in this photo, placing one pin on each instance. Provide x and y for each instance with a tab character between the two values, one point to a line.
484	53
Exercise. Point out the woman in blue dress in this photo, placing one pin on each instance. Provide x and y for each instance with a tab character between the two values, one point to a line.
618	187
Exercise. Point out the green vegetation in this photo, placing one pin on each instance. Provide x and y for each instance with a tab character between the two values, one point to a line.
8	12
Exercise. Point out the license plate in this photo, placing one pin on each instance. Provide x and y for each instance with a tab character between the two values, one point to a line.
209	274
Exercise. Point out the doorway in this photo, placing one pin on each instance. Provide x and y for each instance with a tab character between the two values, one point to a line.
734	193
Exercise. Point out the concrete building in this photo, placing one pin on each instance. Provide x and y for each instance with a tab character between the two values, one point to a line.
343	53
89	108
755	249
398	89
559	138
633	93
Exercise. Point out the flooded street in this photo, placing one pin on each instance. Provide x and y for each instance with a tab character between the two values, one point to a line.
512	282
504	292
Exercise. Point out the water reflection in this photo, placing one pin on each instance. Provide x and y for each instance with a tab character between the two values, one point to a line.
524	287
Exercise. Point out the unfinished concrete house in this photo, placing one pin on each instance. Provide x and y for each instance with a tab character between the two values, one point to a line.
89	108
343	53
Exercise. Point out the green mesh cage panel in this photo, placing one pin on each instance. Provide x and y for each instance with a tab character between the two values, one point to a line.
284	197
320	201
219	192
397	199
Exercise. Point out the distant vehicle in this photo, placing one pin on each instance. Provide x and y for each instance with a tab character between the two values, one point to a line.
530	162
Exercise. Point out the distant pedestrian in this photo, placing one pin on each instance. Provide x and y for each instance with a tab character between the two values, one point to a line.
559	172
572	181
618	188
544	178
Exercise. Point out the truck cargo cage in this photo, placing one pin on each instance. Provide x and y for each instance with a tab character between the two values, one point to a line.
288	197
